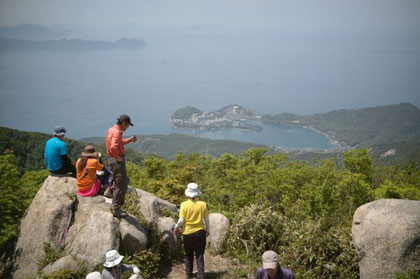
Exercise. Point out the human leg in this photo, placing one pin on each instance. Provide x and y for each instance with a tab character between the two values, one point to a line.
119	185
92	191
66	168
189	252
199	248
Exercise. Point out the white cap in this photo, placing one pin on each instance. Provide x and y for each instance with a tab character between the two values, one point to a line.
270	259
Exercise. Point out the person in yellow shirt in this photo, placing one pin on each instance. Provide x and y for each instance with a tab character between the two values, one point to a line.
194	220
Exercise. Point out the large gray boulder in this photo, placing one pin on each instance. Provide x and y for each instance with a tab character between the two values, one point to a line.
219	227
386	235
44	222
67	262
165	226
152	207
133	236
92	233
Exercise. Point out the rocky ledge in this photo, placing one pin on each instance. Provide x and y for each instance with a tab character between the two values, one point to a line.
92	228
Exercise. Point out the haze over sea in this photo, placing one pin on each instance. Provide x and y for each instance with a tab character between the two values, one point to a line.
208	68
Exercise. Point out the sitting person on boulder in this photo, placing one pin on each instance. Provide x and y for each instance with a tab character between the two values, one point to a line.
272	269
55	154
114	268
87	182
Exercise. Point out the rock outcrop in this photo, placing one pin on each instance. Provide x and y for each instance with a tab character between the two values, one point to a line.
152	206
386	235
92	232
44	222
92	229
219	226
67	262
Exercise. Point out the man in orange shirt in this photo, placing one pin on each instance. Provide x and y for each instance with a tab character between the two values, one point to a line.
115	149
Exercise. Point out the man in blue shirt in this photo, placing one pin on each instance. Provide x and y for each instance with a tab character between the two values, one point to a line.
55	154
272	269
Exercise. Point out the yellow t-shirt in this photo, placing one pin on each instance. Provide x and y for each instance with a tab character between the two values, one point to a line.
193	212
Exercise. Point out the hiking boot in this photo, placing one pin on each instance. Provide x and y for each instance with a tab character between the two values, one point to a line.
129	189
118	213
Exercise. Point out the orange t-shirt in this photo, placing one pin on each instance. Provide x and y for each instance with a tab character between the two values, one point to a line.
114	142
86	177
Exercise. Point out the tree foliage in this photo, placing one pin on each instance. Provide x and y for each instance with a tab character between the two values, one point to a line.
16	194
301	209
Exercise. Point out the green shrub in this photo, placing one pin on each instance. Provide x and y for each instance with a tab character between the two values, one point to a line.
50	256
69	274
148	262
411	274
310	248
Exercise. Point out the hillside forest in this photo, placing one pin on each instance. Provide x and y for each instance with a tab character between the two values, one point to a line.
302	209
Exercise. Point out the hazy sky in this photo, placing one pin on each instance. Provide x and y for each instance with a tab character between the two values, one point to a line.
292	15
298	56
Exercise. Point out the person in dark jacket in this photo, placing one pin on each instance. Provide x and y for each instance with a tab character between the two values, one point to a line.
114	268
55	154
271	268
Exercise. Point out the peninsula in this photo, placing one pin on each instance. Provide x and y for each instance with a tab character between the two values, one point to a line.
229	117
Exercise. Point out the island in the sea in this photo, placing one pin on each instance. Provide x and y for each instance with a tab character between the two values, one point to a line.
229	117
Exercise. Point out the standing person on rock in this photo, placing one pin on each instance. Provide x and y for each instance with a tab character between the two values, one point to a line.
115	149
271	268
55	154
193	215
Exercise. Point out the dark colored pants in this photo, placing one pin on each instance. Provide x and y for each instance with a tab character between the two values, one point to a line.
119	185
66	168
195	243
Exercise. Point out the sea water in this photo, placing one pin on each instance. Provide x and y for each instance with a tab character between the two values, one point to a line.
86	91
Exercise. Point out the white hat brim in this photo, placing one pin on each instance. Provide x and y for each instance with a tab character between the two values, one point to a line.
191	194
114	263
271	265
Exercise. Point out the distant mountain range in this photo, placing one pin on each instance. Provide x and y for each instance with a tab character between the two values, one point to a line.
30	37
361	127
391	133
30	32
68	45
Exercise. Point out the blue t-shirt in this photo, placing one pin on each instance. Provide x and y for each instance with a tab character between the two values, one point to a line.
282	273
54	148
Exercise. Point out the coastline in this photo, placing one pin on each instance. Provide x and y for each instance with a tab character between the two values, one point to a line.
330	136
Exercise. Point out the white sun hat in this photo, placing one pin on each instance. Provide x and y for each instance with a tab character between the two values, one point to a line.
94	275
192	190
113	258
